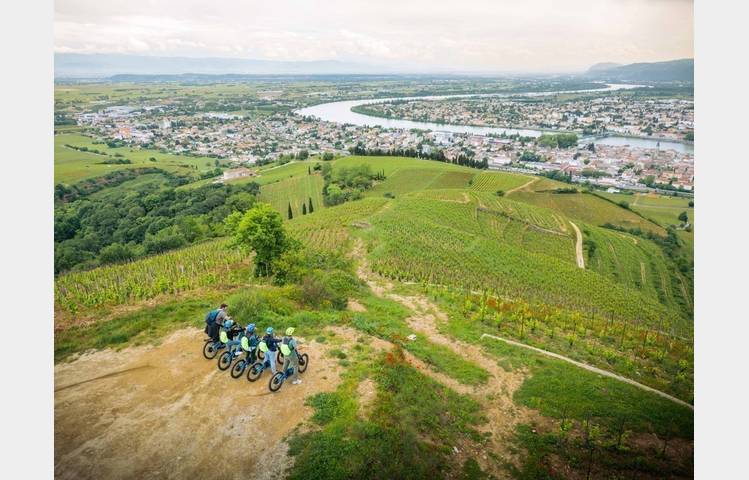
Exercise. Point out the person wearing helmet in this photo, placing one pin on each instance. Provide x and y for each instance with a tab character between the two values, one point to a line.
248	342
272	343
290	355
232	332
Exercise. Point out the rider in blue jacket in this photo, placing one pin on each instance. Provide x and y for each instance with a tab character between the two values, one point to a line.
272	343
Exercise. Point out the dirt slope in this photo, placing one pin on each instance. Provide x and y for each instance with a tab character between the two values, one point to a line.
166	412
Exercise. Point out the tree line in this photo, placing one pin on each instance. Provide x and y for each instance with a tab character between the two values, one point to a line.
151	218
434	154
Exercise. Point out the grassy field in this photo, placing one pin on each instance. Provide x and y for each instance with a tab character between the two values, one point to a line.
662	209
72	165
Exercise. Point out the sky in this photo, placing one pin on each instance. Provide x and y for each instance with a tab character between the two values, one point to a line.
464	35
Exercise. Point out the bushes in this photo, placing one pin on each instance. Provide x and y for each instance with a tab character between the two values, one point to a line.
116	253
327	289
260	306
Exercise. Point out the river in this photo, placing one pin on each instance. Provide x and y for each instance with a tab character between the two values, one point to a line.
340	112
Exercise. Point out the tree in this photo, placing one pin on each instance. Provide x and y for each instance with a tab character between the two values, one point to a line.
291	214
304	209
310	206
684	217
691	203
260	230
115	252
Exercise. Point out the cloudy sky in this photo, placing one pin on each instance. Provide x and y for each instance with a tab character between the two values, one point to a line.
470	35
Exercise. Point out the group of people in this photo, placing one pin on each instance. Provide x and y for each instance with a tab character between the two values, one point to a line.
221	328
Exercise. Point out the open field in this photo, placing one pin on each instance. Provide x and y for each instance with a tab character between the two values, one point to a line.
72	165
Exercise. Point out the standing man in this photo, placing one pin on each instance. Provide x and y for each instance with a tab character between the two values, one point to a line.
214	320
291	357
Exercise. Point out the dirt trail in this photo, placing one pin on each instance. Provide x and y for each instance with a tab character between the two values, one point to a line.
578	246
496	395
166	412
523	186
593	369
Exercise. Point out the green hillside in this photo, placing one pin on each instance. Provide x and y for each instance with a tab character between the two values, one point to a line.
399	286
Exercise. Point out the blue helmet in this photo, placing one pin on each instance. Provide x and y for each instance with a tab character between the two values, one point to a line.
250	328
269	330
228	324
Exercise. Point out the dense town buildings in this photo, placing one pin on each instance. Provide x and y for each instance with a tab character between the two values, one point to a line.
246	140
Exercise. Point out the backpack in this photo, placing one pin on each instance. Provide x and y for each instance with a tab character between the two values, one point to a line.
210	317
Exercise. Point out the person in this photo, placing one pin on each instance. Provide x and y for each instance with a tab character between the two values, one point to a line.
272	343
249	342
214	320
290	355
232	333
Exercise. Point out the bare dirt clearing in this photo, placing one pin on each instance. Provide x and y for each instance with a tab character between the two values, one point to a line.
166	412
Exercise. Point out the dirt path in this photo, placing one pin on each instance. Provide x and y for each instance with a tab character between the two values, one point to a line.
578	246
166	412
593	369
503	415
522	187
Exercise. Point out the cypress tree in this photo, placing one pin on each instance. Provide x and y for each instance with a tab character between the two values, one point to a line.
304	209
291	214
310	205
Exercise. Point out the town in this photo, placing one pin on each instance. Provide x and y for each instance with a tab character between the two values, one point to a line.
246	140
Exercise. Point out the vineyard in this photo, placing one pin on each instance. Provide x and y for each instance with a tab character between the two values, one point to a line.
449	243
638	351
589	209
295	191
329	229
205	264
492	181
637	263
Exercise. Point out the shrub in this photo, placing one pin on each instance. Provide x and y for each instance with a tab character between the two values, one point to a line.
262	307
327	289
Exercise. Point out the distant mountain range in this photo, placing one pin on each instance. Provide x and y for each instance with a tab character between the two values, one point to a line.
136	67
74	65
670	71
